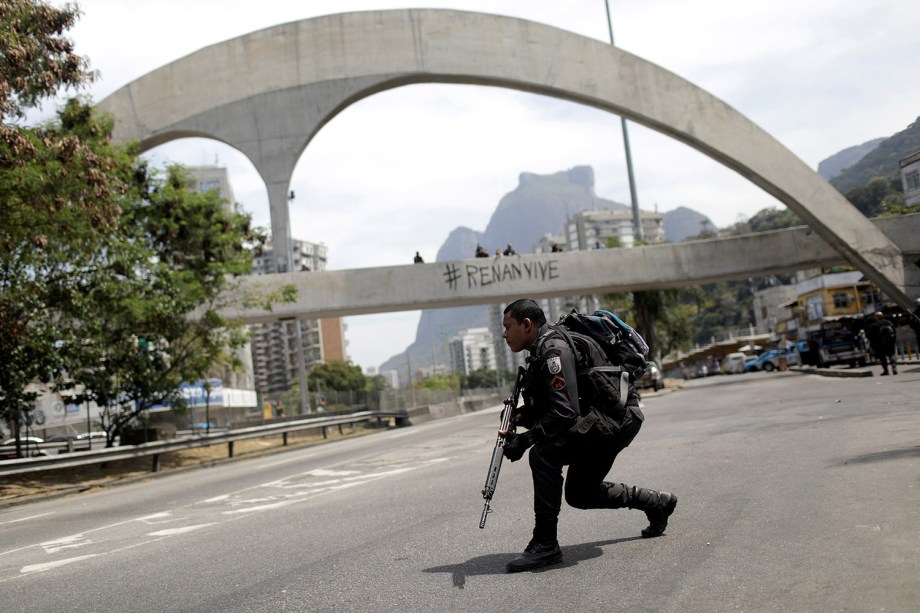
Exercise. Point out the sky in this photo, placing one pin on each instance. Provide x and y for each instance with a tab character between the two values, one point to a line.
395	173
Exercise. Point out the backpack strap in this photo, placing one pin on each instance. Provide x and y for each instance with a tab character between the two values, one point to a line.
623	381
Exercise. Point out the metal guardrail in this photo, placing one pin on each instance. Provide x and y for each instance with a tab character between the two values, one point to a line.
156	448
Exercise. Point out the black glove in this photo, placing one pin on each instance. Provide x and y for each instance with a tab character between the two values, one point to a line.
516	445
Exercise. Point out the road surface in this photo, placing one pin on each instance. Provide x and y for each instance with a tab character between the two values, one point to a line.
797	493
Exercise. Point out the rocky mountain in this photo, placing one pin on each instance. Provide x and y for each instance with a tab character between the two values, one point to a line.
539	205
837	163
682	223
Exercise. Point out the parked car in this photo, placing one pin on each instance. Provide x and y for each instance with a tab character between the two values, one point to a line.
29	445
92	435
733	363
23	440
750	364
61	438
769	360
652	378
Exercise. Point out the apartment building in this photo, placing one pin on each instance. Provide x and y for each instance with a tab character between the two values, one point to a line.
471	350
274	346
585	229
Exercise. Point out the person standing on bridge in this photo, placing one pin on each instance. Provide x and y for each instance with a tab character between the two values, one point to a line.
551	408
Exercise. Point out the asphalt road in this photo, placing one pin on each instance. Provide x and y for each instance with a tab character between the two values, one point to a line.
797	493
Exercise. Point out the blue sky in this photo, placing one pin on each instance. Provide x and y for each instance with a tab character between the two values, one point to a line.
416	162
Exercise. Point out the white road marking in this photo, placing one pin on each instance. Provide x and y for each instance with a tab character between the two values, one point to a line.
37	568
267	496
175	531
13	521
68	542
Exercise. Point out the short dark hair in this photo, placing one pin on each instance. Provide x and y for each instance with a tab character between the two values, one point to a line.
526	308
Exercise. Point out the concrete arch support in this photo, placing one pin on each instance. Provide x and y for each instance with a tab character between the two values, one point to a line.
269	92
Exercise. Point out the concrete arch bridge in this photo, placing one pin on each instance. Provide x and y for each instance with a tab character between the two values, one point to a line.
268	93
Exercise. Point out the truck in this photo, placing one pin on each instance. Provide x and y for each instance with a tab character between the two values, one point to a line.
836	342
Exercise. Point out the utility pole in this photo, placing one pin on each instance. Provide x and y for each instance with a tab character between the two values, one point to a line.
298	332
637	216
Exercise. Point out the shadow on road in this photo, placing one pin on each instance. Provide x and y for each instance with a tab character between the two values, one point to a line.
881	456
494	564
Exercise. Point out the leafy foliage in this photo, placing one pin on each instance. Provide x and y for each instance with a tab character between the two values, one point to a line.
36	60
873	198
151	320
484	378
337	375
110	275
60	187
440	382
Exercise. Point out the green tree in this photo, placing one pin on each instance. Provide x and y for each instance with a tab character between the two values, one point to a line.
151	320
483	378
337	375
871	198
60	190
440	382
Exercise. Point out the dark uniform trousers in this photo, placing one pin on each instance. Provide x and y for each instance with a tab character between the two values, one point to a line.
589	460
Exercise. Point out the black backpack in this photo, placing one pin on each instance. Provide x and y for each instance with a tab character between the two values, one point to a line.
886	332
625	350
623	346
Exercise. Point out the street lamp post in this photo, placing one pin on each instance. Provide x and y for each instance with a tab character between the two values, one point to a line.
637	216
298	331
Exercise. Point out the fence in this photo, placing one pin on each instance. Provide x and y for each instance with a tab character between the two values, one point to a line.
401	405
375	400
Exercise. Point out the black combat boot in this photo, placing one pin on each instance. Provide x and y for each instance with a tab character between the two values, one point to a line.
658	507
538	553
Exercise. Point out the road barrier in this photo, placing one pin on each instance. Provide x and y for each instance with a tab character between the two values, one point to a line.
157	448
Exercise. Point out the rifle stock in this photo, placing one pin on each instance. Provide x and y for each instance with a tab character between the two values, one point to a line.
507	425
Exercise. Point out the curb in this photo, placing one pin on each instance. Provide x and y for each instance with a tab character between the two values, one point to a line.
826	372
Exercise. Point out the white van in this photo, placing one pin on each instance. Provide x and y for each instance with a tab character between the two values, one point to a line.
734	363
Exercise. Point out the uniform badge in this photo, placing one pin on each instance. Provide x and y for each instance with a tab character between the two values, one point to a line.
554	365
558	383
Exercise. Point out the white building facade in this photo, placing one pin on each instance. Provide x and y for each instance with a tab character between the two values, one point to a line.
586	229
910	178
472	350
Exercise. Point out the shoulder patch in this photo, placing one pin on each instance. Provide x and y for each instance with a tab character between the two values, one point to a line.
554	365
558	382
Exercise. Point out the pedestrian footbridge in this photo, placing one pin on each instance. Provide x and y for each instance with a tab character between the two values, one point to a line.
270	92
488	281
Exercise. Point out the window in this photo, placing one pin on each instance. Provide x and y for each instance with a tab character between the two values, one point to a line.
815	307
841	300
206	185
913	180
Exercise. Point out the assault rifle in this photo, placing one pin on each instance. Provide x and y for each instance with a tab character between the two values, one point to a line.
508	426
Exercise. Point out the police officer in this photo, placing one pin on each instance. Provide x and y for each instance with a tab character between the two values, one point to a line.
551	410
883	342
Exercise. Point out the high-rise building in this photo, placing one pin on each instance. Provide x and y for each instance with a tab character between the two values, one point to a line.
274	346
205	179
585	229
471	350
271	359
